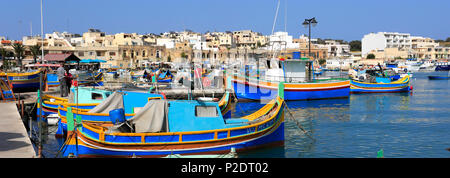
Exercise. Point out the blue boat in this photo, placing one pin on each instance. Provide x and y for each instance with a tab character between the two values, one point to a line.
439	77
383	85
6	92
26	81
442	66
296	85
165	77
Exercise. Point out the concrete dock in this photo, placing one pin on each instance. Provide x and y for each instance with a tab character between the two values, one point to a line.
14	140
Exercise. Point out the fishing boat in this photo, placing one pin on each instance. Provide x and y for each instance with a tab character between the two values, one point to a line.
6	89
165	77
27	80
439	77
383	85
298	85
442	66
184	127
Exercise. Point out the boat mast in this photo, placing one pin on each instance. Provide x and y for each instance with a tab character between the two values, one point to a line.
40	91
42	35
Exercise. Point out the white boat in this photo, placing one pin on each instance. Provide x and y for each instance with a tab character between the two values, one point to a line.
410	65
428	65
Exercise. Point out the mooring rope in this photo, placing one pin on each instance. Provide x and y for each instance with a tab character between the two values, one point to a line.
297	123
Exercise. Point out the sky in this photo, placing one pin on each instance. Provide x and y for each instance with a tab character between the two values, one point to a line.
337	19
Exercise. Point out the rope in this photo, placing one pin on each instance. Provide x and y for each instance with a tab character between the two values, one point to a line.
297	123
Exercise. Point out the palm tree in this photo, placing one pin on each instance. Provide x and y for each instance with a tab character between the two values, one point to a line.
19	52
4	53
35	51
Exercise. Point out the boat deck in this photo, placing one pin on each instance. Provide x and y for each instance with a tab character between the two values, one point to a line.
14	140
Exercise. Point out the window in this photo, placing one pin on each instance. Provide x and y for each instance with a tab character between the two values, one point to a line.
97	96
112	53
206	111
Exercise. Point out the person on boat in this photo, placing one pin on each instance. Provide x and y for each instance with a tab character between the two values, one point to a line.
69	79
61	72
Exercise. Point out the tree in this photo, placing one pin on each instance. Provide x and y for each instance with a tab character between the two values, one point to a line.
35	51
19	52
4	54
183	55
322	61
448	39
355	45
371	56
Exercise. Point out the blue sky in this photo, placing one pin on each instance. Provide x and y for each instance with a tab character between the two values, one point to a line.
337	19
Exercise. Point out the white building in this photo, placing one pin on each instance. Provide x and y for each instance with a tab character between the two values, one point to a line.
342	64
167	42
381	40
281	41
336	49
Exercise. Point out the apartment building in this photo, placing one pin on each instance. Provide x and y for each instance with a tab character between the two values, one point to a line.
423	47
248	39
336	49
382	40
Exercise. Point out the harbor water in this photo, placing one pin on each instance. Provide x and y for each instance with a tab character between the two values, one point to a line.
403	125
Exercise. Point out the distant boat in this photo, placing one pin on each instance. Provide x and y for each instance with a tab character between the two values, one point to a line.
382	86
439	77
165	77
442	66
5	89
27	80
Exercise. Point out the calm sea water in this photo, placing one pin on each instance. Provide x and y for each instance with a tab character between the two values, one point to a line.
404	125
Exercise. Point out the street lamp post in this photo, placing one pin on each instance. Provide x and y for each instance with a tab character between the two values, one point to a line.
308	23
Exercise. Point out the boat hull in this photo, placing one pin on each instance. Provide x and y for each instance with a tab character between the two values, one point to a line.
442	68
254	90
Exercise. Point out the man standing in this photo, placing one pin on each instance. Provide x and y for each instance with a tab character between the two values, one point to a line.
61	72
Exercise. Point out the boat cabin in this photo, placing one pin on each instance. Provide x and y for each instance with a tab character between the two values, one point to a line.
193	115
290	70
89	95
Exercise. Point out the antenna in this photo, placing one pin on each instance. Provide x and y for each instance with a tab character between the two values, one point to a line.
285	15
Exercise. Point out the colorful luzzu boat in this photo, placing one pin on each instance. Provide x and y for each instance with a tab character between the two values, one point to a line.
296	85
6	92
165	77
255	89
184	127
27	80
400	85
